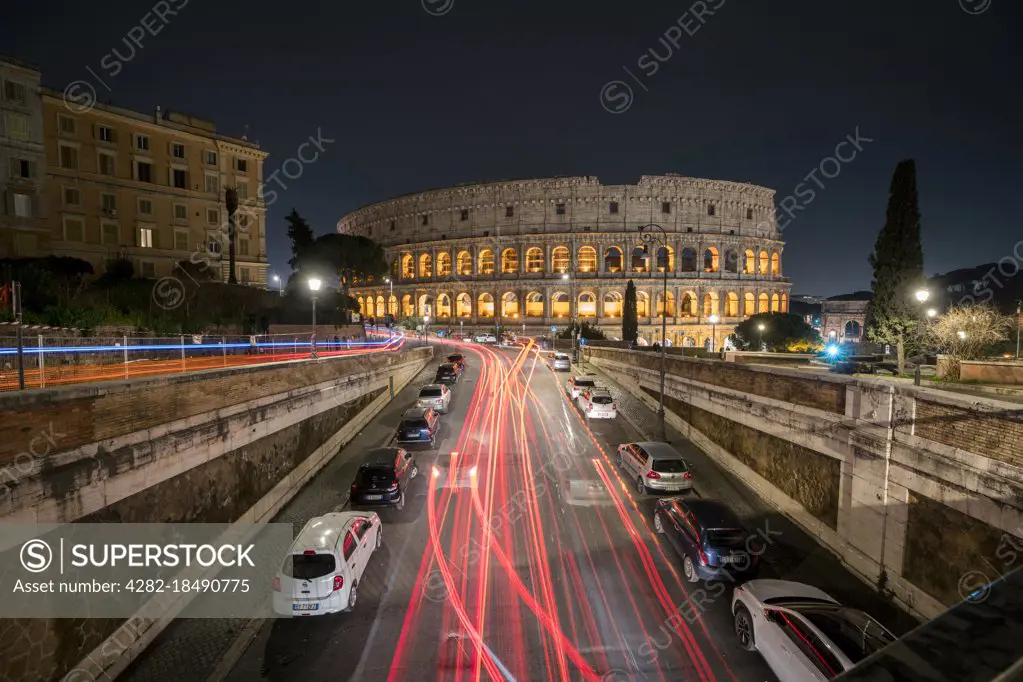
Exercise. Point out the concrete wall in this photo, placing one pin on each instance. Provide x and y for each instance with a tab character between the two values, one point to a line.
991	372
918	491
217	447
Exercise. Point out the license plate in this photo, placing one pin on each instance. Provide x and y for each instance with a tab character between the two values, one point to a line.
673	488
305	607
730	559
374	497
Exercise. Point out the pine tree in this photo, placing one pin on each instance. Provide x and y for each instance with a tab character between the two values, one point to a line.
301	236
630	322
898	264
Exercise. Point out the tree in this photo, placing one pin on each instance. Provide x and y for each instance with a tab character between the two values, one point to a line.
301	236
586	331
351	257
231	202
898	264
630	321
968	332
783	332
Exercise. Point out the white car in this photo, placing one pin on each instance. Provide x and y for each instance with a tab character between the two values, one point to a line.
657	467
490	338
321	574
437	396
804	634
575	385
480	338
597	403
561	362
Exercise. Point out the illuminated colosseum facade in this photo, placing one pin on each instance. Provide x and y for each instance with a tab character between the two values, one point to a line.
497	254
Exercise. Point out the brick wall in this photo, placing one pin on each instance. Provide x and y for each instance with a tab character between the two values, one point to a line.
995	434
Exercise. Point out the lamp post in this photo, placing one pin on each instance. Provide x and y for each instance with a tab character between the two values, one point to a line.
426	327
1019	308
648	238
921	296
571	318
280	287
760	328
390	297
314	286
713	319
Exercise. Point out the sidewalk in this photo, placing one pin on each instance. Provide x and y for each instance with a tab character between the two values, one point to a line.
792	554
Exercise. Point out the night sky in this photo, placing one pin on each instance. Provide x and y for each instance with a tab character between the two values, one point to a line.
761	92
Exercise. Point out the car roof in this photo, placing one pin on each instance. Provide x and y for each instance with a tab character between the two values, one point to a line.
415	413
590	379
380	457
598	390
446	365
433	386
659	450
561	356
321	532
712	514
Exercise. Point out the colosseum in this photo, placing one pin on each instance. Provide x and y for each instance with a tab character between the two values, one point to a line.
529	255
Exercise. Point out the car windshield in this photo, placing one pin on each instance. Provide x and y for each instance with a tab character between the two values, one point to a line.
375	475
601	399
430	393
584	382
854	632
726	537
454	358
669	466
308	566
445	369
414	424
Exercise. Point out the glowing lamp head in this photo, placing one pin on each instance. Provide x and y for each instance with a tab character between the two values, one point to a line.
713	319
565	276
832	350
760	326
931	312
922	295
436	472
315	284
961	334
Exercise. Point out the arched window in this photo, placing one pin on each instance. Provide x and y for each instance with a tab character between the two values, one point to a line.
509	305
852	329
426	306
407	309
775	263
464	264
443	264
362	306
380	307
749	304
561	259
486	263
443	303
425	266
534	304
392	306
710	259
408	267
764	259
710	304
687	308
642	304
587	258
587	305
749	262
463	305
396	268
775	303
662	307
560	305
612	304
688	259
613	259
731	261
784	303
534	259
732	305
639	260
485	306
762	303
665	259
509	262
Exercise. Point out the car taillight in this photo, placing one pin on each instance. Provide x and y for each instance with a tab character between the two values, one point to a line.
652	474
339	582
354	487
614	407
393	487
277	584
687	475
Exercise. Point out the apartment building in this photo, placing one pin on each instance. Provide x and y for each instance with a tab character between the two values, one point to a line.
23	225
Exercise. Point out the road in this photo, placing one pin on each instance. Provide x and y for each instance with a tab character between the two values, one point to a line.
499	569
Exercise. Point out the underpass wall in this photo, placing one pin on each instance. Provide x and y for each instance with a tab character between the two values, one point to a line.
223	446
918	491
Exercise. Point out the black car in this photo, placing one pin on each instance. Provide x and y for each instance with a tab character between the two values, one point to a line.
712	542
447	374
383	478
458	360
419	426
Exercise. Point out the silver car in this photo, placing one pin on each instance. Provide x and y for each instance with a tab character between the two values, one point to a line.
437	396
656	467
561	363
576	385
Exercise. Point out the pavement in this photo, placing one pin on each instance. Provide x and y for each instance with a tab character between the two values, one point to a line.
497	551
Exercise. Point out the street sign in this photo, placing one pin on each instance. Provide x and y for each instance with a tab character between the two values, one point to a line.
554	329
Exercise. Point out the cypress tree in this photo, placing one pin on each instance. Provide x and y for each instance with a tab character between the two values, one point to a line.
630	321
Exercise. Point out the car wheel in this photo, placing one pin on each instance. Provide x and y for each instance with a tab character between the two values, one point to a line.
401	502
658	525
640	488
690	570
353	595
744	628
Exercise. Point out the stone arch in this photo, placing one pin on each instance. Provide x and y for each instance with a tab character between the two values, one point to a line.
362	306
561	304
731	261
689	259
687	307
749	304
380	312
561	259
463	305
392	306
534	259
396	268
775	263
425	266
642	304
711	259
749	262
763	303
587	304
732	304
464	264
775	303
509	304
613	259
665	304
443	264
764	261
534	304
852	329
665	259
711	304
485	305
613	304
784	303
425	306
587	259
408	266
407	309
639	260
485	264
443	304
510	261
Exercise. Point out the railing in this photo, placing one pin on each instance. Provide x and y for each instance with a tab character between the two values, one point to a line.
47	362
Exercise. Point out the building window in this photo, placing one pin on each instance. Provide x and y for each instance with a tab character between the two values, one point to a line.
14	92
68	157
21	168
106	164
243	190
181	213
426	219
143	171
148	268
177	150
559	209
392	226
749	214
111	234
72	196
245	275
212	216
509	211
243	247
146	237
665	207
180	240
212	245
465	214
241	165
17	126
710	209
212	185
22	205
209	157
74	229
106	134
179	178
243	221
613	208
67	125
145	206
108	204
142	143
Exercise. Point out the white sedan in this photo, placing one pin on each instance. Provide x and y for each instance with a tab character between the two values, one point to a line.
576	385
597	403
804	634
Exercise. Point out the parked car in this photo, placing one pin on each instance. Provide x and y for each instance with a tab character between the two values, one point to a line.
710	539
382	478
447	374
597	403
321	573
419	426
490	338
457	359
437	396
803	633
561	362
575	385
657	467
467	339
480	338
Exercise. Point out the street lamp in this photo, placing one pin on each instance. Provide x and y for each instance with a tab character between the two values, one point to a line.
280	287
390	297
648	238
961	335
426	327
713	319
760	328
314	286
1019	308
571	317
921	296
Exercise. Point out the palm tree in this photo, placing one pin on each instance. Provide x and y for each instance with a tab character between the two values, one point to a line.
231	201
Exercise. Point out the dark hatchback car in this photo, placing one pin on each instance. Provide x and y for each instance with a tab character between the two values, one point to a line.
457	359
419	426
382	478
447	374
711	540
